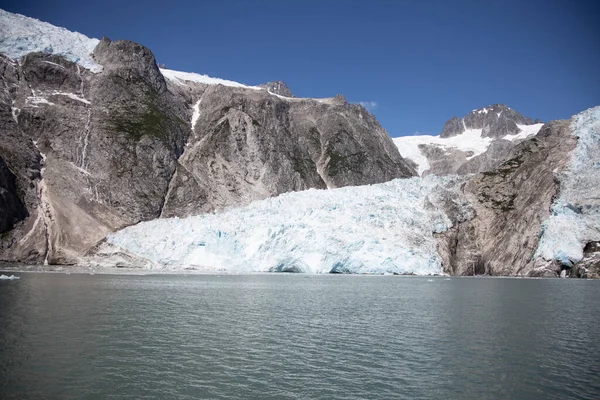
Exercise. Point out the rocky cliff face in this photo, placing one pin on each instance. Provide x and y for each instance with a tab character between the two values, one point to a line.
249	144
510	203
537	214
86	153
278	87
90	157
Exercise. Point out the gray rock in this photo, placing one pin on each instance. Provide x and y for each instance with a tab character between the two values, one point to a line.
496	121
454	126
498	152
443	160
510	203
278	87
86	154
249	145
109	144
12	208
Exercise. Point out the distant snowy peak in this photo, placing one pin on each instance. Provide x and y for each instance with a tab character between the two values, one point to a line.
21	35
471	135
278	87
495	121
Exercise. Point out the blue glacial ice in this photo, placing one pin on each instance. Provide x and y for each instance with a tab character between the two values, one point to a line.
575	213
384	228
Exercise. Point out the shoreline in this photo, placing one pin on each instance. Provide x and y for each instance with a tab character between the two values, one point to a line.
80	270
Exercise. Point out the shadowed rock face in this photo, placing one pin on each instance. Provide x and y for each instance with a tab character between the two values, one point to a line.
510	203
454	126
86	154
12	209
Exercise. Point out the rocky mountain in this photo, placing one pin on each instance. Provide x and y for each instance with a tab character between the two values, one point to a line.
478	142
108	160
536	214
95	141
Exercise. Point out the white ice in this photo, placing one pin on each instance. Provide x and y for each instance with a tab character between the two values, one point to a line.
7	277
526	131
470	140
36	100
71	96
384	228
180	78
575	218
20	35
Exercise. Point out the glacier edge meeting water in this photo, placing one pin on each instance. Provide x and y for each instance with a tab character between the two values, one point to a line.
575	213
383	228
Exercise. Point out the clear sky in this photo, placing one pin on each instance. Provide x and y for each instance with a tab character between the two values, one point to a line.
415	63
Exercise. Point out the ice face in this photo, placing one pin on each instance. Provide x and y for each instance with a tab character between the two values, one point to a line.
575	218
384	228
20	35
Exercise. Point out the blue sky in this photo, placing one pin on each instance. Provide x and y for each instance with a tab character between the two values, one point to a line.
414	63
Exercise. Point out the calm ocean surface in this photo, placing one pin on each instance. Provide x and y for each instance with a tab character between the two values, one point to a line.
283	336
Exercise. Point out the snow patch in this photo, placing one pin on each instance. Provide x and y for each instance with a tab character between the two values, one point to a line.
526	131
468	141
10	278
72	96
181	78
15	113
575	218
196	114
21	35
35	101
55	64
326	100
365	229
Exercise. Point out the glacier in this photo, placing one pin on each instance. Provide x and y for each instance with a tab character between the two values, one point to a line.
575	213
20	35
383	228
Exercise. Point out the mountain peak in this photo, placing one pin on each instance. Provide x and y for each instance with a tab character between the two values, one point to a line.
495	121
278	87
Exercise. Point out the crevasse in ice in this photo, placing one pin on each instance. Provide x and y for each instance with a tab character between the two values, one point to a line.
575	213
383	228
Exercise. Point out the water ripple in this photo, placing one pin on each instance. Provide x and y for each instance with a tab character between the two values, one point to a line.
292	337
